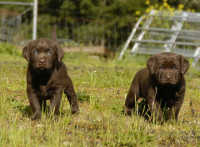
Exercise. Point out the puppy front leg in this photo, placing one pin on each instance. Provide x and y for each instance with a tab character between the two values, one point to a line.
55	101
71	95
178	101
175	109
131	98
35	104
154	106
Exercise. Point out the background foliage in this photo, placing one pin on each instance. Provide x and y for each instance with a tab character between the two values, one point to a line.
96	22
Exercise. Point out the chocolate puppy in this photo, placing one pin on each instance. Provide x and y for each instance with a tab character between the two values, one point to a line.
47	77
161	85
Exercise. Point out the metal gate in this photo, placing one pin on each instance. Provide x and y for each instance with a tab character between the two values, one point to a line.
162	31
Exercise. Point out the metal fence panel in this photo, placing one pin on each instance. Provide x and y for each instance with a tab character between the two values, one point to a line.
162	31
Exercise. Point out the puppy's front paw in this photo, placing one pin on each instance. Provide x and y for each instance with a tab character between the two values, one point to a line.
36	116
127	111
75	110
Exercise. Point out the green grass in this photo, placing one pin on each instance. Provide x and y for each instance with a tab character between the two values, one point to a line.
101	87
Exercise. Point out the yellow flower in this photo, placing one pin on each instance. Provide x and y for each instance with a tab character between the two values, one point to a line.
180	6
165	4
147	2
148	10
137	12
171	10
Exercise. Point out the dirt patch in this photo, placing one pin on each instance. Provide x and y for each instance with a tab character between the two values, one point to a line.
88	49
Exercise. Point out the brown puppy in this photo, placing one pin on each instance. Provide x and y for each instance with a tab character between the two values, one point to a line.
161	84
47	77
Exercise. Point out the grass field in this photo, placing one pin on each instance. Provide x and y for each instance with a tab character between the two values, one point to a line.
101	87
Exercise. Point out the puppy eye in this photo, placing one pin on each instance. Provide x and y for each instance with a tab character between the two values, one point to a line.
35	52
48	52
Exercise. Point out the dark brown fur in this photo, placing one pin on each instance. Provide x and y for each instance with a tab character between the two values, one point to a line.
161	84
47	77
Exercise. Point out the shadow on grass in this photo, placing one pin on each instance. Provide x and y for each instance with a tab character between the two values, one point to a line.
27	111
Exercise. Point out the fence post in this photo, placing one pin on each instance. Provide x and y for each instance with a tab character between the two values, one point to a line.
130	38
35	11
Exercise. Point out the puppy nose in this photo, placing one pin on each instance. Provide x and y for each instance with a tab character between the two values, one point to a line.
42	60
168	76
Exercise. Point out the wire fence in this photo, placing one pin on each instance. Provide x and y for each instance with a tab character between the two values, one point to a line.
18	30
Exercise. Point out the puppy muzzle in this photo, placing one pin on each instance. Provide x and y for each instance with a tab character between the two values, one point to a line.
168	78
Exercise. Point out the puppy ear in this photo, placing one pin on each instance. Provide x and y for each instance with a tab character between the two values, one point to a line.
26	53
59	52
151	64
184	64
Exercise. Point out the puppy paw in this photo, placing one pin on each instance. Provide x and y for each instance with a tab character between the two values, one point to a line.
75	110
36	116
127	111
